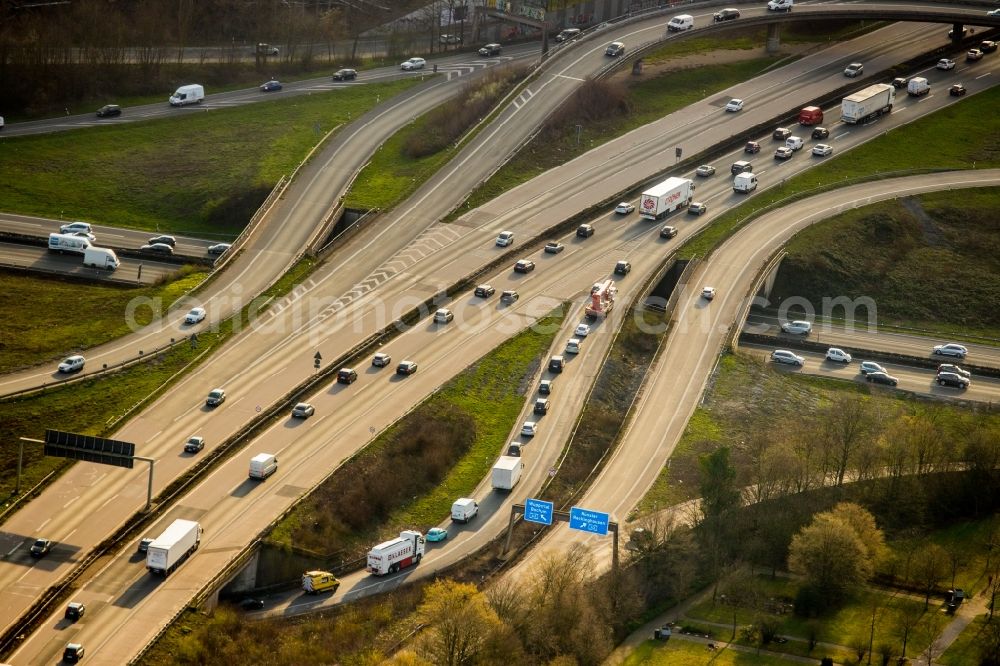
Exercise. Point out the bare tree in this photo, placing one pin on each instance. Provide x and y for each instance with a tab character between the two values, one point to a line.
847	425
930	566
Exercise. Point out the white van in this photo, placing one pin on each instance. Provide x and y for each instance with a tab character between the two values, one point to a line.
744	182
192	94
263	465
100	257
794	142
918	86
464	509
680	23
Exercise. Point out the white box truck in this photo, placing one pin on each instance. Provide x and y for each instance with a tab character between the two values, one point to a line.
666	197
744	183
101	257
191	94
391	556
917	87
263	465
507	472
68	243
172	547
867	104
464	509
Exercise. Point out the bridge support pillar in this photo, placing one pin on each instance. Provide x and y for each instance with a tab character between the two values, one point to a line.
773	38
957	32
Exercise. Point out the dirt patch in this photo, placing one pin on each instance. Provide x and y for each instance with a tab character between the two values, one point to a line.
708	58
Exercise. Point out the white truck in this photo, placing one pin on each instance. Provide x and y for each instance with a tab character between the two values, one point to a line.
917	86
101	257
190	94
507	472
172	547
68	243
464	509
263	465
390	556
745	183
666	197
867	104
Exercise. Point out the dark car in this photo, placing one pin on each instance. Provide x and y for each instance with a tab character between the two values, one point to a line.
346	376
73	653
252	604
157	248
406	368
952	379
553	247
988	46
899	82
781	134
144	544
585	230
820	133
509	296
545	386
218	248
491	50
728	14
881	378
194	444
166	240
345	75
668	232
556	364
41	548
741	166
270	86
109	111
485	290
524	266
75	610
957	90
622	268
751	147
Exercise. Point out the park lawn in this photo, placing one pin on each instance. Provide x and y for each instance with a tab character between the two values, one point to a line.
679	652
965	649
204	174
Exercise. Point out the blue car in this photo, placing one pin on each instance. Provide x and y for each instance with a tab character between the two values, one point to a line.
437	534
270	85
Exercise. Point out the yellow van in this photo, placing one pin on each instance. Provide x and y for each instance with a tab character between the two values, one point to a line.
314	582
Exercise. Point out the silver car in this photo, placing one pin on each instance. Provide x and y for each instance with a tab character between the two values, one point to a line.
785	356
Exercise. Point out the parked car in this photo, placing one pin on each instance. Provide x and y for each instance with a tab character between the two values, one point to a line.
215	397
953	379
554	247
853	70
822	149
406	368
194	444
957	90
708	293
524	266
413	63
303	410
491	50
945	64
951	349
381	360
72	364
485	291
436	534
623	268
668	232
838	355
624	208
781	134
881	378
705	170
820	133
157	248
345	74
797	327
787	357
109	111
270	86
166	240
585	231
40	548
505	238
734	105
218	248
443	316
870	366
509	296
727	14
697	208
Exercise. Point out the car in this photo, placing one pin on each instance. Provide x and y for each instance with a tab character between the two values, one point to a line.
838	355
75	226
853	70
251	604
381	360
868	367
406	368
554	247
820	133
751	147
347	376
109	111
449	39
541	406
556	364
781	134
899	82
84	234
524	266
668	232
708	293
797	327
73	653
443	316
194	444
40	548
957	90
485	291
945	64
303	410
952	379
993	12
270	86
973	55
157	248
509	296
215	397
582	330
727	14
567	34
166	240
705	170
218	248
514	449
697	208
436	534
822	149
573	346
75	610
988	46
345	74
412	64
491	50
783	153
734	105
958	370
950	349
72	364
794	142
624	208
585	231
505	238
545	386
881	378
615	49
144	544
787	357
623	268
529	429
194	316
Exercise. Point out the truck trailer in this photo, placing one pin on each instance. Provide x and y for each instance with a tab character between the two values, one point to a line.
391	556
101	257
602	299
63	243
666	197
867	104
506	472
172	547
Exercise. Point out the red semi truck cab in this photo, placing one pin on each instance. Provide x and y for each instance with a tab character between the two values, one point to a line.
810	115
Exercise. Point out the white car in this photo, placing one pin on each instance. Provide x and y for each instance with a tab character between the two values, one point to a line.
529	429
951	349
945	63
785	356
993	12
83	234
708	293
194	316
704	170
822	149
381	360
72	364
624	208
505	238
853	70
582	331
573	346
73	227
413	63
734	104
443	316
303	410
797	327
838	355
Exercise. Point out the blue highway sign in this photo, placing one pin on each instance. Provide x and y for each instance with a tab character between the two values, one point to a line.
538	511
586	520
